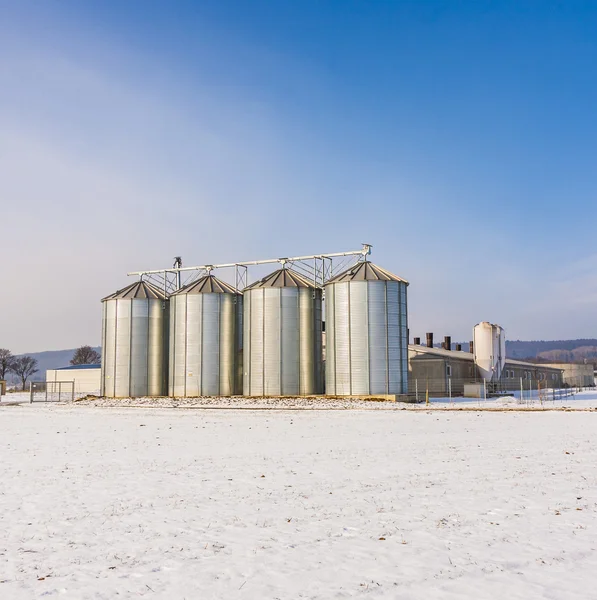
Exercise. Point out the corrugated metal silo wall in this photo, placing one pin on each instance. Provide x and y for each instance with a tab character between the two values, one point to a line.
367	344
107	325
282	342
239	334
203	344
134	358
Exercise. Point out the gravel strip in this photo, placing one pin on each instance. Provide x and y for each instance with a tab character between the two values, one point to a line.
308	404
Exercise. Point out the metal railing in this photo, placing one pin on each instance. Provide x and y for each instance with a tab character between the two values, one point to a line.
51	391
318	268
525	391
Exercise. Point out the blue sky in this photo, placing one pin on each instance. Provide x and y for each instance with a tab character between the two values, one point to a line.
459	138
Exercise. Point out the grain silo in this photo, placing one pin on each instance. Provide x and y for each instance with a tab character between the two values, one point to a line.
282	336
205	339
134	342
366	329
490	350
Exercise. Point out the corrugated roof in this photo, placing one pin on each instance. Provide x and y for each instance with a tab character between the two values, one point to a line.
282	278
523	363
209	284
139	289
456	354
76	367
459	355
366	271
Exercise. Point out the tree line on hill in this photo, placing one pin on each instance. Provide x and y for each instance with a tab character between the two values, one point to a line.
24	366
554	350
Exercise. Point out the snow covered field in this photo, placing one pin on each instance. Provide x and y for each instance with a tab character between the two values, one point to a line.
169	503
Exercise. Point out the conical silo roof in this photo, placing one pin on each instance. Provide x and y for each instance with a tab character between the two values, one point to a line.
366	271
208	284
137	290
282	278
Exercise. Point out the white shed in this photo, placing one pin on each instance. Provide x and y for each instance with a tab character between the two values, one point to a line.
87	378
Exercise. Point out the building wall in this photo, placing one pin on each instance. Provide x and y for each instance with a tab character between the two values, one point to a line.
427	371
87	381
576	374
535	375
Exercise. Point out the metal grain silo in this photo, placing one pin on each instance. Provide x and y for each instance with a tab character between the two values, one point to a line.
282	336
366	329
134	342
205	339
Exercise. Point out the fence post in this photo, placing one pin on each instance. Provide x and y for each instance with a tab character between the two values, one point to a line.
539	392
73	392
450	388
521	391
59	390
485	389
417	389
30	392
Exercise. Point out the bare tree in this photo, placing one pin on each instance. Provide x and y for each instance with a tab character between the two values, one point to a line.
6	360
24	367
86	355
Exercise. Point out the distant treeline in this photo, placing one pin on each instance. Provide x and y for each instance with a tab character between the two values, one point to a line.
554	351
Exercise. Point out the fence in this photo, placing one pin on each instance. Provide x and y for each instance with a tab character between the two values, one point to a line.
524	390
51	391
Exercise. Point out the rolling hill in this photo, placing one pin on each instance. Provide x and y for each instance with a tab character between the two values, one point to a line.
51	359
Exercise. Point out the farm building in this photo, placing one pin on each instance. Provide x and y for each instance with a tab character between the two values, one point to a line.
441	370
87	378
575	375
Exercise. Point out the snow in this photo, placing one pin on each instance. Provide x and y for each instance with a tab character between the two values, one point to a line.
168	503
586	399
15	397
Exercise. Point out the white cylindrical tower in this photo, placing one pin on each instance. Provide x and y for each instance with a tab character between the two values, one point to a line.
490	350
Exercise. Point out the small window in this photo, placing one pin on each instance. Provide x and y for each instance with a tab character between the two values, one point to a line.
449	370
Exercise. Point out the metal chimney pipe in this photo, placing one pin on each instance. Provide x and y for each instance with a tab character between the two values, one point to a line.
447	342
471	347
430	340
458	347
417	341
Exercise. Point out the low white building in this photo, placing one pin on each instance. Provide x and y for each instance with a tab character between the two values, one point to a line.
576	375
87	378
